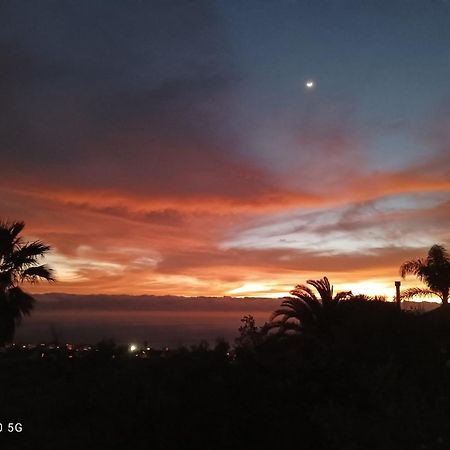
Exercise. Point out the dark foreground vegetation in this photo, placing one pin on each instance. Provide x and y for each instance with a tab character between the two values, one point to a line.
375	378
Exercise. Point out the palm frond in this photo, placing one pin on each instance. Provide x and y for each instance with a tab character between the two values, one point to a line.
25	256
306	308
290	326
301	289
306	311
296	304
438	255
31	250
9	236
314	305
434	271
283	312
282	326
19	262
33	274
6	243
412	267
323	287
15	229
418	292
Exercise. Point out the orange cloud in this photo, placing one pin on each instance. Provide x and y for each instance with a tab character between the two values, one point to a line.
127	244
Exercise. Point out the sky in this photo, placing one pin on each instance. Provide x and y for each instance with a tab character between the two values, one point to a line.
172	147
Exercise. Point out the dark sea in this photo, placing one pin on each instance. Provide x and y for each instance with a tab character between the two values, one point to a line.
159	321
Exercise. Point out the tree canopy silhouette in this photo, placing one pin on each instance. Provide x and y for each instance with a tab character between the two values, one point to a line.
19	263
305	311
433	271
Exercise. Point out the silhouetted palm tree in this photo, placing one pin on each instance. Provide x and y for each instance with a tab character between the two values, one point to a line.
305	311
434	271
19	263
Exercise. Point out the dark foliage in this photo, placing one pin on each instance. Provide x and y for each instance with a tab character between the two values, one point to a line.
19	263
379	379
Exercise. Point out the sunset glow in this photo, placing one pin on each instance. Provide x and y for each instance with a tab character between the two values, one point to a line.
224	219
182	154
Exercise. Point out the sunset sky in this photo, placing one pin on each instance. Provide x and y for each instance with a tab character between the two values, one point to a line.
172	147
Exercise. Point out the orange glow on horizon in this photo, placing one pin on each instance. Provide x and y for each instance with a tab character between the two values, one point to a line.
261	245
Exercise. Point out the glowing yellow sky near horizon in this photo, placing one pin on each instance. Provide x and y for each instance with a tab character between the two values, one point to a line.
257	253
71	277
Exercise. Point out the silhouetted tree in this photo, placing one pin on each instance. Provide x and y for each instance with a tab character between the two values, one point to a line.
305	311
19	263
249	334
434	271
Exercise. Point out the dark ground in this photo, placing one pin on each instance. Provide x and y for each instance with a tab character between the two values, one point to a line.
382	382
